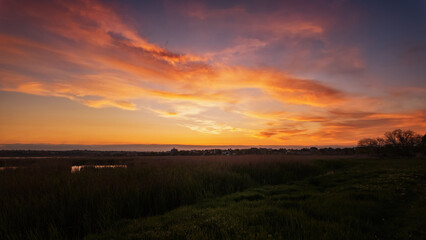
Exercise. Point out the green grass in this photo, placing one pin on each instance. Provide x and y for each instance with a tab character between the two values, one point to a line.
352	199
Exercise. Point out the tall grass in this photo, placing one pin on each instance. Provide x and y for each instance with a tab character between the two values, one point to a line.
52	203
355	199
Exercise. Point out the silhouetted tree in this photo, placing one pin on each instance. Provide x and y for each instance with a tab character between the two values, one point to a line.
398	142
422	146
370	145
402	142
367	142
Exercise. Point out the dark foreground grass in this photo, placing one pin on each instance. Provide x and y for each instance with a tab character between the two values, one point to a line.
353	199
49	202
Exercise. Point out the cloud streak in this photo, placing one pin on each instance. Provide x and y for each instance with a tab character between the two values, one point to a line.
86	51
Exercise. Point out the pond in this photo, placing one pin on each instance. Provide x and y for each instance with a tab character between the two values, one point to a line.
73	168
80	167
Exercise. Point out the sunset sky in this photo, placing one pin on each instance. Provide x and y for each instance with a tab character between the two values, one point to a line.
210	72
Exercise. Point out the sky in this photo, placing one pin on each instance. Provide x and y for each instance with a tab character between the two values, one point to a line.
210	72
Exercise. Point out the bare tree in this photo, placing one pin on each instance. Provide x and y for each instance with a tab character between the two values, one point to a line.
368	145
402	142
381	142
402	138
367	142
396	142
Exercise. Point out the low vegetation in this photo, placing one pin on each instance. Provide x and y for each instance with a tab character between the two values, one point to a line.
354	199
215	197
53	203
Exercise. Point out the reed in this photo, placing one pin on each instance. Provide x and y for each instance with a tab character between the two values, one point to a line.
47	201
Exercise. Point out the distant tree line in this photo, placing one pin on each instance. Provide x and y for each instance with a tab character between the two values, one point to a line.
395	143
176	152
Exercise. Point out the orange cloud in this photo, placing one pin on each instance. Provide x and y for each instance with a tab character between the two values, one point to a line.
95	58
210	127
348	127
282	132
107	37
94	23
109	103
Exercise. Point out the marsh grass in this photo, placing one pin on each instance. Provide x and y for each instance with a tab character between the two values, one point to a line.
45	201
354	199
214	197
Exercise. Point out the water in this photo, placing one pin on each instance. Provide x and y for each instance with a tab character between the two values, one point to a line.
4	168
80	167
73	168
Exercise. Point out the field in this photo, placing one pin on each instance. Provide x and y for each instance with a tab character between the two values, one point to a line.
214	197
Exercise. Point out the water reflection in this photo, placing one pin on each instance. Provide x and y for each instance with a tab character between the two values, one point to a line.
4	168
79	168
73	168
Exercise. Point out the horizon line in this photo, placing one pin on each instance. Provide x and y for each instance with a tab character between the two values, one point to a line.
147	147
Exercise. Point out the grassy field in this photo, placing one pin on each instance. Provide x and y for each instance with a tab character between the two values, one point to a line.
217	197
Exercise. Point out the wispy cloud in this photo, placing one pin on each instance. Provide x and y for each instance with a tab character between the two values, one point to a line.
87	52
